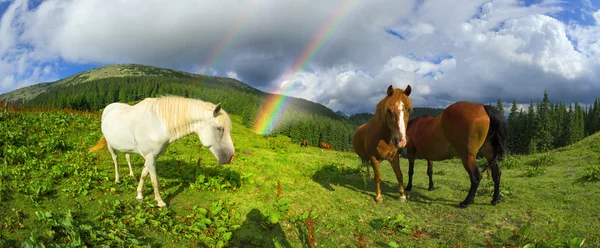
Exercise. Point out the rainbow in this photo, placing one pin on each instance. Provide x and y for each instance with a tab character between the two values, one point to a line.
274	106
225	42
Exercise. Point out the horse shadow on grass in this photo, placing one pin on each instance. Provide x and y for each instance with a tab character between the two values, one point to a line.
252	233
178	173
353	178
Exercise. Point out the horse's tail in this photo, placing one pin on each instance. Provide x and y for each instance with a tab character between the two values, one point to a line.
496	134
101	144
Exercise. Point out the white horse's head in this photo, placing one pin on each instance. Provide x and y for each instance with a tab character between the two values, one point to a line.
216	136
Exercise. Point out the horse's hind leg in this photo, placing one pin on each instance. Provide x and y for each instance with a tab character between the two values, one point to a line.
128	157
488	152
366	164
470	164
114	155
430	174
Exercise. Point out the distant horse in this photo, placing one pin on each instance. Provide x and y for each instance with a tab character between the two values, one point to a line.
304	143
383	134
461	130
325	145
148	127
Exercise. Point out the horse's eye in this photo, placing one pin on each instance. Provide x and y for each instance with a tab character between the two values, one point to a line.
389	111
220	129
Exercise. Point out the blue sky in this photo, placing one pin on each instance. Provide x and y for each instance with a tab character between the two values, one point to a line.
471	50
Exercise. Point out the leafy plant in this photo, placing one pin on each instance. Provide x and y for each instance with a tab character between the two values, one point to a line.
523	240
397	224
592	173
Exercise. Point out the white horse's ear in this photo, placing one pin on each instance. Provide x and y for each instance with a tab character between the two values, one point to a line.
217	109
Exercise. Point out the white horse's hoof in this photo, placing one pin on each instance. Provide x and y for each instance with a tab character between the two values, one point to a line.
402	198
161	204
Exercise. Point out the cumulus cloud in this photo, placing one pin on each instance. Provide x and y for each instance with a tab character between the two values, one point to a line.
480	51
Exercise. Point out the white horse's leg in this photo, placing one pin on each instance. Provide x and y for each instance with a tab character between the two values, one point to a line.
114	157
129	163
139	196
152	170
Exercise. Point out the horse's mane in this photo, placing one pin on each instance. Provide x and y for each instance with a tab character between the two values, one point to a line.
179	113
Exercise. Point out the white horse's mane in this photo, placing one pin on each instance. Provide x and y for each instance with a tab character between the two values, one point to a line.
179	114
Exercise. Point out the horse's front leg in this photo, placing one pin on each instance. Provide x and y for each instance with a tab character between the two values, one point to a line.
396	166
411	171
375	163
150	165
139	196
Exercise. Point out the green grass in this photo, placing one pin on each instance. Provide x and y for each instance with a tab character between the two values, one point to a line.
560	203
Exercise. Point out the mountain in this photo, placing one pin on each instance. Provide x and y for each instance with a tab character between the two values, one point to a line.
165	81
130	83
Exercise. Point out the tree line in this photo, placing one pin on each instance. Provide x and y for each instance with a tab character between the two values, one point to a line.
542	127
546	125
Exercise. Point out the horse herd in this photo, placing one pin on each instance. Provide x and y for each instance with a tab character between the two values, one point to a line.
463	129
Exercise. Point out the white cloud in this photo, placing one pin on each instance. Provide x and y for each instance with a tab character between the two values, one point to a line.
475	50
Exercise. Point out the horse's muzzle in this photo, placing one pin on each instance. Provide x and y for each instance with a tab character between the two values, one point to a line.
399	143
231	159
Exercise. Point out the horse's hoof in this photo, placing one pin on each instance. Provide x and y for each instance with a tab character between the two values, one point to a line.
379	200
431	188
464	204
161	204
402	198
118	181
494	202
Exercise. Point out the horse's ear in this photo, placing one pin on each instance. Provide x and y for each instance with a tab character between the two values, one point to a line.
390	90
407	90
217	109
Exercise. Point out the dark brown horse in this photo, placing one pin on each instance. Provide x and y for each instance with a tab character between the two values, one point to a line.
380	138
304	143
463	129
325	145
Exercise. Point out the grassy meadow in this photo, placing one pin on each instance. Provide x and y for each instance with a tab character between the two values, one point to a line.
277	194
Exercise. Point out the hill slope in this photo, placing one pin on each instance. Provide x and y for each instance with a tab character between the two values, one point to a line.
260	199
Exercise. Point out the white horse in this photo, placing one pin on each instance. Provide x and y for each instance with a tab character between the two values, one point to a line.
148	127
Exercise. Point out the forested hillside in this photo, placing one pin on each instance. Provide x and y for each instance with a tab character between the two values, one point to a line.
94	89
546	125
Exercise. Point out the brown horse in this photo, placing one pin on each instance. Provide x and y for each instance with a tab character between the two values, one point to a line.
304	143
463	129
325	145
380	138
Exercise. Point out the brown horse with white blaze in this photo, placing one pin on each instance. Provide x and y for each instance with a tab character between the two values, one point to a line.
463	129
380	138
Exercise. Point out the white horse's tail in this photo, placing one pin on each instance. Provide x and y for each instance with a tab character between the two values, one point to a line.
101	144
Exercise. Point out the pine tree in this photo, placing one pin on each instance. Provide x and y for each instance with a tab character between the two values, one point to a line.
513	128
543	135
499	106
530	130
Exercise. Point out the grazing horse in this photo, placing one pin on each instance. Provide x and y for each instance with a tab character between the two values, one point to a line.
463	129
148	127
380	138
304	143
325	145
